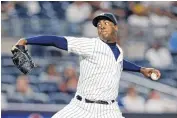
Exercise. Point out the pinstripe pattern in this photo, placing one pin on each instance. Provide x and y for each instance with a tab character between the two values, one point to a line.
99	79
80	109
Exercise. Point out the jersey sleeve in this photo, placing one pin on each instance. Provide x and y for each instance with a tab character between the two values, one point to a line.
81	46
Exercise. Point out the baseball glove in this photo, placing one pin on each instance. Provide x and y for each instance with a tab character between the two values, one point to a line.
21	59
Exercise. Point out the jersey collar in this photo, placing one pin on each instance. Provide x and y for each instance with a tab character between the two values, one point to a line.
111	44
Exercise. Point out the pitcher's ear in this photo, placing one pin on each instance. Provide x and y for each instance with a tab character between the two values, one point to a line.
116	27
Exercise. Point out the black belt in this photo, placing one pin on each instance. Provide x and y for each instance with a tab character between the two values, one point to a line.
97	101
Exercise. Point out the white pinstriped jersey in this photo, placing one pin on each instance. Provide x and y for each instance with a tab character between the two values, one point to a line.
99	70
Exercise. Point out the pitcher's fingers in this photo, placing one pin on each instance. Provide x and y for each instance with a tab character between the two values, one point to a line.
158	73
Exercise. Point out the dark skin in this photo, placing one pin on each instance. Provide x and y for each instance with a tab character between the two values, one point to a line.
107	32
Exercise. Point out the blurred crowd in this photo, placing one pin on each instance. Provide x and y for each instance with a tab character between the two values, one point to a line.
152	22
54	87
78	14
152	103
39	88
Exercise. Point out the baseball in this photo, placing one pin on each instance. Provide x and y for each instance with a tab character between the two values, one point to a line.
154	76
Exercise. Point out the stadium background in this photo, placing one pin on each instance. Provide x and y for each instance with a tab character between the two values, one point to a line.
148	33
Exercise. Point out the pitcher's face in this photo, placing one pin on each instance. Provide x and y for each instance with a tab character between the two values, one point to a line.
106	29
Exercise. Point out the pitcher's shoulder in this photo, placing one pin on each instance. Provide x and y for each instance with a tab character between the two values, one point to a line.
79	38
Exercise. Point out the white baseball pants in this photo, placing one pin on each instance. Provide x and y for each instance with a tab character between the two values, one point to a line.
80	109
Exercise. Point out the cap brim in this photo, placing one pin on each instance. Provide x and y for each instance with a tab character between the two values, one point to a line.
98	18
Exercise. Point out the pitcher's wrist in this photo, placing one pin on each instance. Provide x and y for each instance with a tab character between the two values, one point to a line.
22	41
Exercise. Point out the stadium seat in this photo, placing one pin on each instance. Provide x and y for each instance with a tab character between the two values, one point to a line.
33	79
71	92
59	8
4	55
34	87
119	100
38	98
60	98
11	70
36	71
48	87
175	78
6	88
52	52
8	79
15	98
6	62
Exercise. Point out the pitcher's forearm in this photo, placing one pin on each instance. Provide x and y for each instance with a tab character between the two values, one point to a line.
129	66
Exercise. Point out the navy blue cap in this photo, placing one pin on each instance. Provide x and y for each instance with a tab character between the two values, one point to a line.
104	16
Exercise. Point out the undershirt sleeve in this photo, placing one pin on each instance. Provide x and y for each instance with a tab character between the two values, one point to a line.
128	66
56	41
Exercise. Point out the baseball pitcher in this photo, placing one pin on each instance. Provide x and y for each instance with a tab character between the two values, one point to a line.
101	64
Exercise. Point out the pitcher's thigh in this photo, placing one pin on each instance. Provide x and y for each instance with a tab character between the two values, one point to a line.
63	112
71	111
111	114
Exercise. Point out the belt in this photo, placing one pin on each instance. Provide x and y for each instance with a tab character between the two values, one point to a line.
91	101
